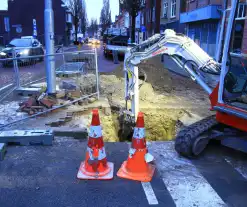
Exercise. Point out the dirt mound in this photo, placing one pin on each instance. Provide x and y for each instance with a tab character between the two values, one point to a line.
157	76
164	98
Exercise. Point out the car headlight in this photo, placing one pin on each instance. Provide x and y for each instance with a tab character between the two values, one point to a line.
24	52
2	53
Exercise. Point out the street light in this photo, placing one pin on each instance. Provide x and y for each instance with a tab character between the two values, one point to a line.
49	46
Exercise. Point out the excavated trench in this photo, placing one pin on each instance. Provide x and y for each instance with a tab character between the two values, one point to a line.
159	124
164	99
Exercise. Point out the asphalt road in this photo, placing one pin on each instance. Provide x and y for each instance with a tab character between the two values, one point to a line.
36	71
37	176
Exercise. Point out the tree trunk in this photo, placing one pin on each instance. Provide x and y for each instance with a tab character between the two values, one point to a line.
76	29
133	28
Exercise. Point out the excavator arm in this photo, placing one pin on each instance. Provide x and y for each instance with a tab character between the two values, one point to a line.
184	51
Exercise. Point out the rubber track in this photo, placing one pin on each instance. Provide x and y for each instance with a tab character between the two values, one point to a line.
186	137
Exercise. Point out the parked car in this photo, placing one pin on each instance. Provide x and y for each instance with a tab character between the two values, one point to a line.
24	47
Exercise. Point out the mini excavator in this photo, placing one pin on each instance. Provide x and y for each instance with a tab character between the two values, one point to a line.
225	83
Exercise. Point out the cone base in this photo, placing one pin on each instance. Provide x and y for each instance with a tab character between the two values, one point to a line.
143	177
109	176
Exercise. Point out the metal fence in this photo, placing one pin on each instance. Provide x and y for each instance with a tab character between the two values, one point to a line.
17	70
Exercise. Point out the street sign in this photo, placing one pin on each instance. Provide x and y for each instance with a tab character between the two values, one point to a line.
34	22
16	25
6	24
143	28
34	28
18	29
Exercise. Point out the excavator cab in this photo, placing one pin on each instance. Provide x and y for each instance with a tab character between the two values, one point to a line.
229	98
231	107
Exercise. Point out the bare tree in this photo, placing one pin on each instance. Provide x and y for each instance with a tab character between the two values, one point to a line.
84	20
133	7
93	26
76	8
105	15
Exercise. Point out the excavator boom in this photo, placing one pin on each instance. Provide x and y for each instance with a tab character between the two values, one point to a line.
185	52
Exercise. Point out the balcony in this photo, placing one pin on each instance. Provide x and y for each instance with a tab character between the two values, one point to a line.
205	13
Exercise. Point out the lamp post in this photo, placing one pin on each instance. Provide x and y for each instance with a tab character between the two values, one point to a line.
49	46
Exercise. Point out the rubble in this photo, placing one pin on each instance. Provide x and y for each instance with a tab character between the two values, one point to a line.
37	103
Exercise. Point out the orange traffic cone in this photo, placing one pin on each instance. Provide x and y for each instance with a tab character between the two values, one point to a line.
137	166
95	166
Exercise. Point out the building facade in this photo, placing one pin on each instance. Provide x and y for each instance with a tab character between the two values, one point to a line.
20	21
170	15
202	20
4	27
122	20
152	17
239	32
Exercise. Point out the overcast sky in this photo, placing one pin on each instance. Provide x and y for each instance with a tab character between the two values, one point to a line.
3	4
93	8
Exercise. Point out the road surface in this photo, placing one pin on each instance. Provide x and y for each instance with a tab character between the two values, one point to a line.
37	176
36	71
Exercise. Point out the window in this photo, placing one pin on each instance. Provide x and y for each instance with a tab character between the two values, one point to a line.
153	16
173	8
165	9
241	11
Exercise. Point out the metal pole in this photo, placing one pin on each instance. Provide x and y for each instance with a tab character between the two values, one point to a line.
16	70
224	68
97	73
219	48
135	99
49	46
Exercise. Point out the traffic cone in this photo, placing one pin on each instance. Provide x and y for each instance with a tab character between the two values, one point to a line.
95	166
137	166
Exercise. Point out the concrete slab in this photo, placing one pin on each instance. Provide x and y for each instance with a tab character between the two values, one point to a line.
2	151
27	91
27	137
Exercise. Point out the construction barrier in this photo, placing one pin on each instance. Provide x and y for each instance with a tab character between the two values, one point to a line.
76	73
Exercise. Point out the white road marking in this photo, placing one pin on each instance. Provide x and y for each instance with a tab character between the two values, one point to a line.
184	182
152	200
239	166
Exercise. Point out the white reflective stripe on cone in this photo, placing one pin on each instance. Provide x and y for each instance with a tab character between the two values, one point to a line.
149	157
95	131
90	152
139	133
131	152
102	154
